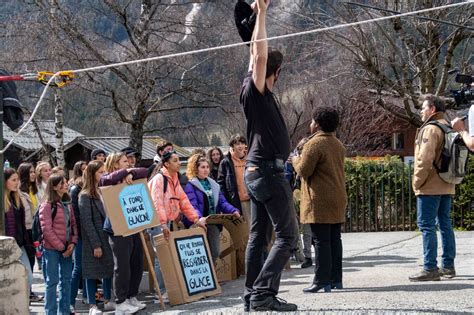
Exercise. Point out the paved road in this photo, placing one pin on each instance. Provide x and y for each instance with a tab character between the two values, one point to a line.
376	270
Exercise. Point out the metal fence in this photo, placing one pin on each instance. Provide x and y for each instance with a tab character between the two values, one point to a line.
380	198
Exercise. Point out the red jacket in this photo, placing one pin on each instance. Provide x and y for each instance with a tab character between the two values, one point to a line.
54	233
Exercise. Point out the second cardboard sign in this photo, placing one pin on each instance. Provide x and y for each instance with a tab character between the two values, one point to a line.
186	265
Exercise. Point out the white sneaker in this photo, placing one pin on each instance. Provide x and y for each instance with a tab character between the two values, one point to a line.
136	303
125	308
109	306
164	296
94	311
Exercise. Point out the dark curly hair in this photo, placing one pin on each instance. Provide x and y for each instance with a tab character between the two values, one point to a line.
327	118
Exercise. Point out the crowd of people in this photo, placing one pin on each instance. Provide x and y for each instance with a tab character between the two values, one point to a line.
77	247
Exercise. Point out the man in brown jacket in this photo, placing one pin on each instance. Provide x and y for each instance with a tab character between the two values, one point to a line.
433	195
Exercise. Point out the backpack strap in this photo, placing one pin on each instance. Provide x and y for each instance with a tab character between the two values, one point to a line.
445	129
54	209
165	182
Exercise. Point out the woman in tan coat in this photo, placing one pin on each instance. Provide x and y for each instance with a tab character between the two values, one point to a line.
323	196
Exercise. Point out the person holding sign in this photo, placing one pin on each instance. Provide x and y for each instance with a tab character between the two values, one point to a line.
170	201
97	256
206	196
127	250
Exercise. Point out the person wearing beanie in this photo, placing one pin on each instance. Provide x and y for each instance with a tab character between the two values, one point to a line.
132	155
98	155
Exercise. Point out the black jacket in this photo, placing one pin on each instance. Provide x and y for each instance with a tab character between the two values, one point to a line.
226	179
74	193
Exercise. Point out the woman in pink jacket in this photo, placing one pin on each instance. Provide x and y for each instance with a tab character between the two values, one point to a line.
170	202
169	198
59	239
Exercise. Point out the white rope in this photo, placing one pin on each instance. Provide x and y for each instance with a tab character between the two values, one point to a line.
198	51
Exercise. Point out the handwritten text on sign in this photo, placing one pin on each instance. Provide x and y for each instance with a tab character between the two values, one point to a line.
195	263
136	206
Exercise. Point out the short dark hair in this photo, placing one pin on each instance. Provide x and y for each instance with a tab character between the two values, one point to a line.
326	117
274	61
435	101
162	145
237	138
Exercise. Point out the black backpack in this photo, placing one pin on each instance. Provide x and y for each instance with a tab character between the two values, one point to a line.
36	231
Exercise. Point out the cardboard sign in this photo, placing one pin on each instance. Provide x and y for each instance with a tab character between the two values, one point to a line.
186	265
129	207
226	268
195	264
236	227
239	233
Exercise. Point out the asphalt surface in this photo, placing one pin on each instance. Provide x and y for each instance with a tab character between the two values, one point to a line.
376	267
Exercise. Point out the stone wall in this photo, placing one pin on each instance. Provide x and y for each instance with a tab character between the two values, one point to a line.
14	290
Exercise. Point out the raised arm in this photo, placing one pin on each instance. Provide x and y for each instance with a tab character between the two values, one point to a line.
260	49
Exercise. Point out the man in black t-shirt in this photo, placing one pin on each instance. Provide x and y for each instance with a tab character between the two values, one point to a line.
270	192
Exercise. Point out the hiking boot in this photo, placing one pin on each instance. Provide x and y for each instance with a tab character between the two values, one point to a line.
308	262
425	275
272	303
447	272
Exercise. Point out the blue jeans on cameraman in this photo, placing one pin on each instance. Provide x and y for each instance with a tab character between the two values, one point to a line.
271	206
432	210
57	269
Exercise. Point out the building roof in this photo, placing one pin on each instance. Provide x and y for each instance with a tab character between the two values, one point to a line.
29	139
115	144
182	152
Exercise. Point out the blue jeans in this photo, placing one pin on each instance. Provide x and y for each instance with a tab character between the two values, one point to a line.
57	269
77	273
432	210
91	285
159	276
271	206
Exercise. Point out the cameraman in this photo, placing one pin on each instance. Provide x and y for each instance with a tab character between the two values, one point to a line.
459	126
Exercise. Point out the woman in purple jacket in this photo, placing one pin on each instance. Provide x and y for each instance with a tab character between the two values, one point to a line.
127	250
206	196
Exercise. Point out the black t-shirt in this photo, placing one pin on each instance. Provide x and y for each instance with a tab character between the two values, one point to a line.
267	134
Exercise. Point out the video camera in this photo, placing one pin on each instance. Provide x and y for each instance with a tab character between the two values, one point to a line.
465	95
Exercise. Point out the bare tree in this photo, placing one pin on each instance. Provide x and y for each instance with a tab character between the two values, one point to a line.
405	57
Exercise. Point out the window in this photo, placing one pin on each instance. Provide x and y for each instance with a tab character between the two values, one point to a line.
398	141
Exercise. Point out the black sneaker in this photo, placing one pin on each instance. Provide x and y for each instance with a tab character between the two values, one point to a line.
273	303
35	298
246	304
426	275
308	262
447	272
